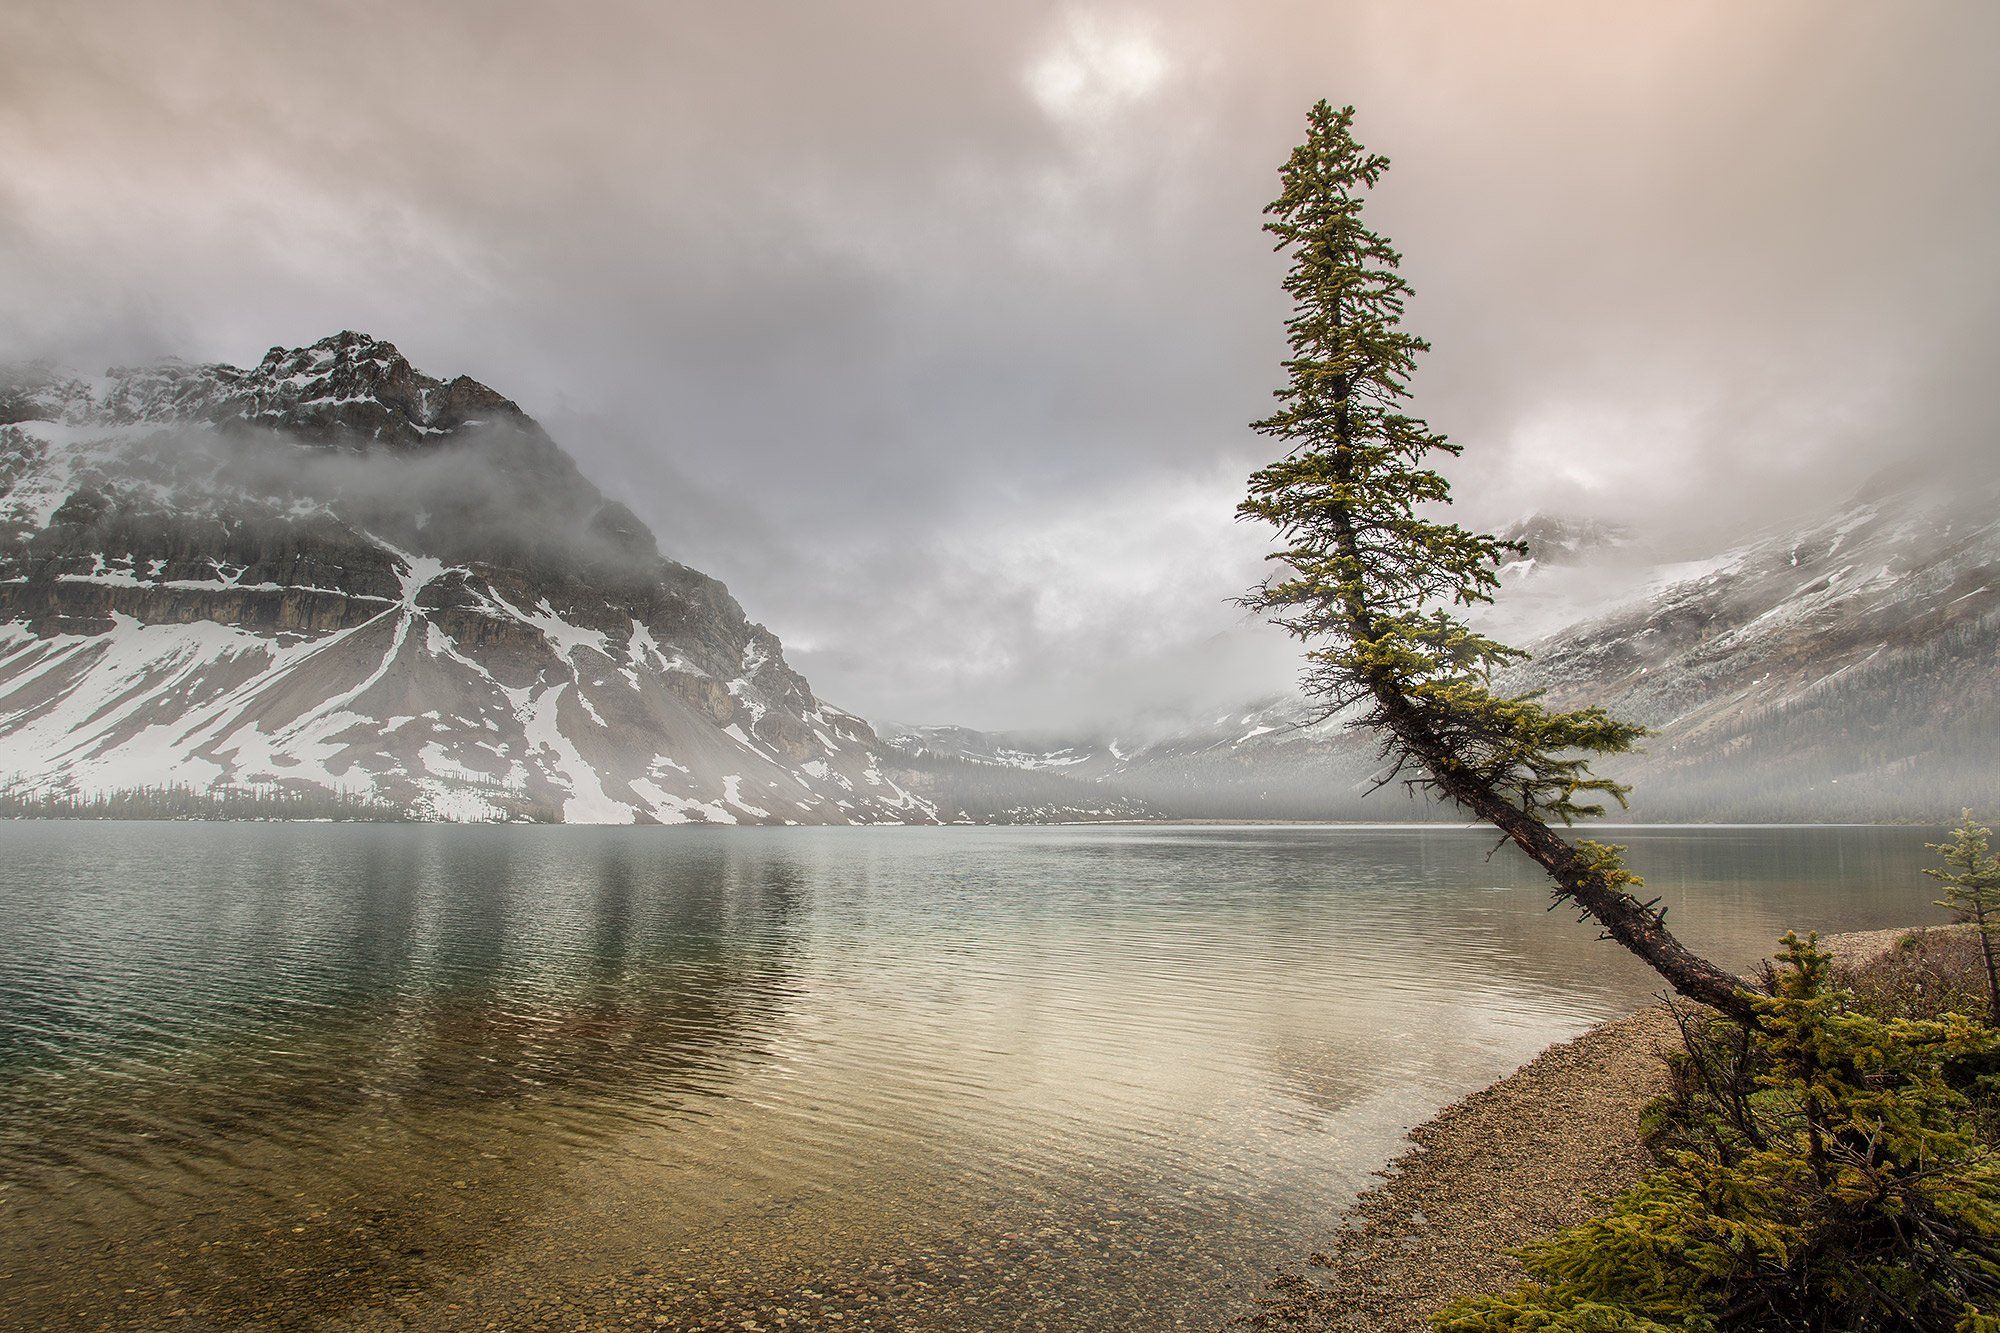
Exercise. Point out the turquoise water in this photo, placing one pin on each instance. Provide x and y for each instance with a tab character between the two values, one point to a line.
359	1075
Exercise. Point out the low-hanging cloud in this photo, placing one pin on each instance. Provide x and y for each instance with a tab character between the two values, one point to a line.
924	326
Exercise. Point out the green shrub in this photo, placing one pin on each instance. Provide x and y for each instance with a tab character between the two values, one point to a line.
1823	1172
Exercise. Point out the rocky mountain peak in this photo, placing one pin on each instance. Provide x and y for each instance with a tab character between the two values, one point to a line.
1557	539
364	386
348	388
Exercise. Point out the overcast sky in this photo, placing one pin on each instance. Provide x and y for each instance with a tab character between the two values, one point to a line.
933	328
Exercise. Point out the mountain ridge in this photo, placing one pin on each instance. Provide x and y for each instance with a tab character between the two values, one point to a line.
1839	667
333	571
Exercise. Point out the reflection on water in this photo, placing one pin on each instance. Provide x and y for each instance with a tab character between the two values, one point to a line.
361	1076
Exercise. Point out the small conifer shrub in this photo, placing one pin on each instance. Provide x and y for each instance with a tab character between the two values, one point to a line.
1971	879
1822	1170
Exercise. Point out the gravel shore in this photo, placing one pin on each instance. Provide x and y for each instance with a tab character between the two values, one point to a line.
1519	1158
1533	1153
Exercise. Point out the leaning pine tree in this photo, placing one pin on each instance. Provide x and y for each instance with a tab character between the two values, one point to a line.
1365	578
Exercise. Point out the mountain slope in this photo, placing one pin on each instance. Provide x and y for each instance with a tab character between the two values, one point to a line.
1845	668
1841	669
332	575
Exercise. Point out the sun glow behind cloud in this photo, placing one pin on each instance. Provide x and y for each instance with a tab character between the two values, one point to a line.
1096	64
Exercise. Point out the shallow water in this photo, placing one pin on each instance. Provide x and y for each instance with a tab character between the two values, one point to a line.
363	1076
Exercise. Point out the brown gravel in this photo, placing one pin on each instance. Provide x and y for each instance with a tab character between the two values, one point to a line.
1522	1157
1533	1153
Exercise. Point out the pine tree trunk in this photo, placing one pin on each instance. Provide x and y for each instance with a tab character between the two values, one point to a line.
1992	965
1623	918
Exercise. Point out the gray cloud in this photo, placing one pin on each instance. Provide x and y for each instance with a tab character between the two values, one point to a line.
933	329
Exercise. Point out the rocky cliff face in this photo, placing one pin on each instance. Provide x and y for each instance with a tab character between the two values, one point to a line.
333	574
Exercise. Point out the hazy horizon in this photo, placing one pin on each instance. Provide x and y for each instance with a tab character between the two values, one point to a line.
934	334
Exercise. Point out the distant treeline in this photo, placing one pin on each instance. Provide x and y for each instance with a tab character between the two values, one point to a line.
1913	734
182	801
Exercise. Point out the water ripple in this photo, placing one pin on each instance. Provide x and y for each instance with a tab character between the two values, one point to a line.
365	1054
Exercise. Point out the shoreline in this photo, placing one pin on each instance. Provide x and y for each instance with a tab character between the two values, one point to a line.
1350	825
1526	1155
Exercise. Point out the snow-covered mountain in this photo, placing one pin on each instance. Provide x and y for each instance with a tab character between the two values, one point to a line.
332	582
1840	668
1843	667
1272	758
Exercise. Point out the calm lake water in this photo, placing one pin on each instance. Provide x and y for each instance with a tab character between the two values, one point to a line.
376	1076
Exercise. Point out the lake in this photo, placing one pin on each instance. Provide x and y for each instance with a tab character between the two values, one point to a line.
364	1076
